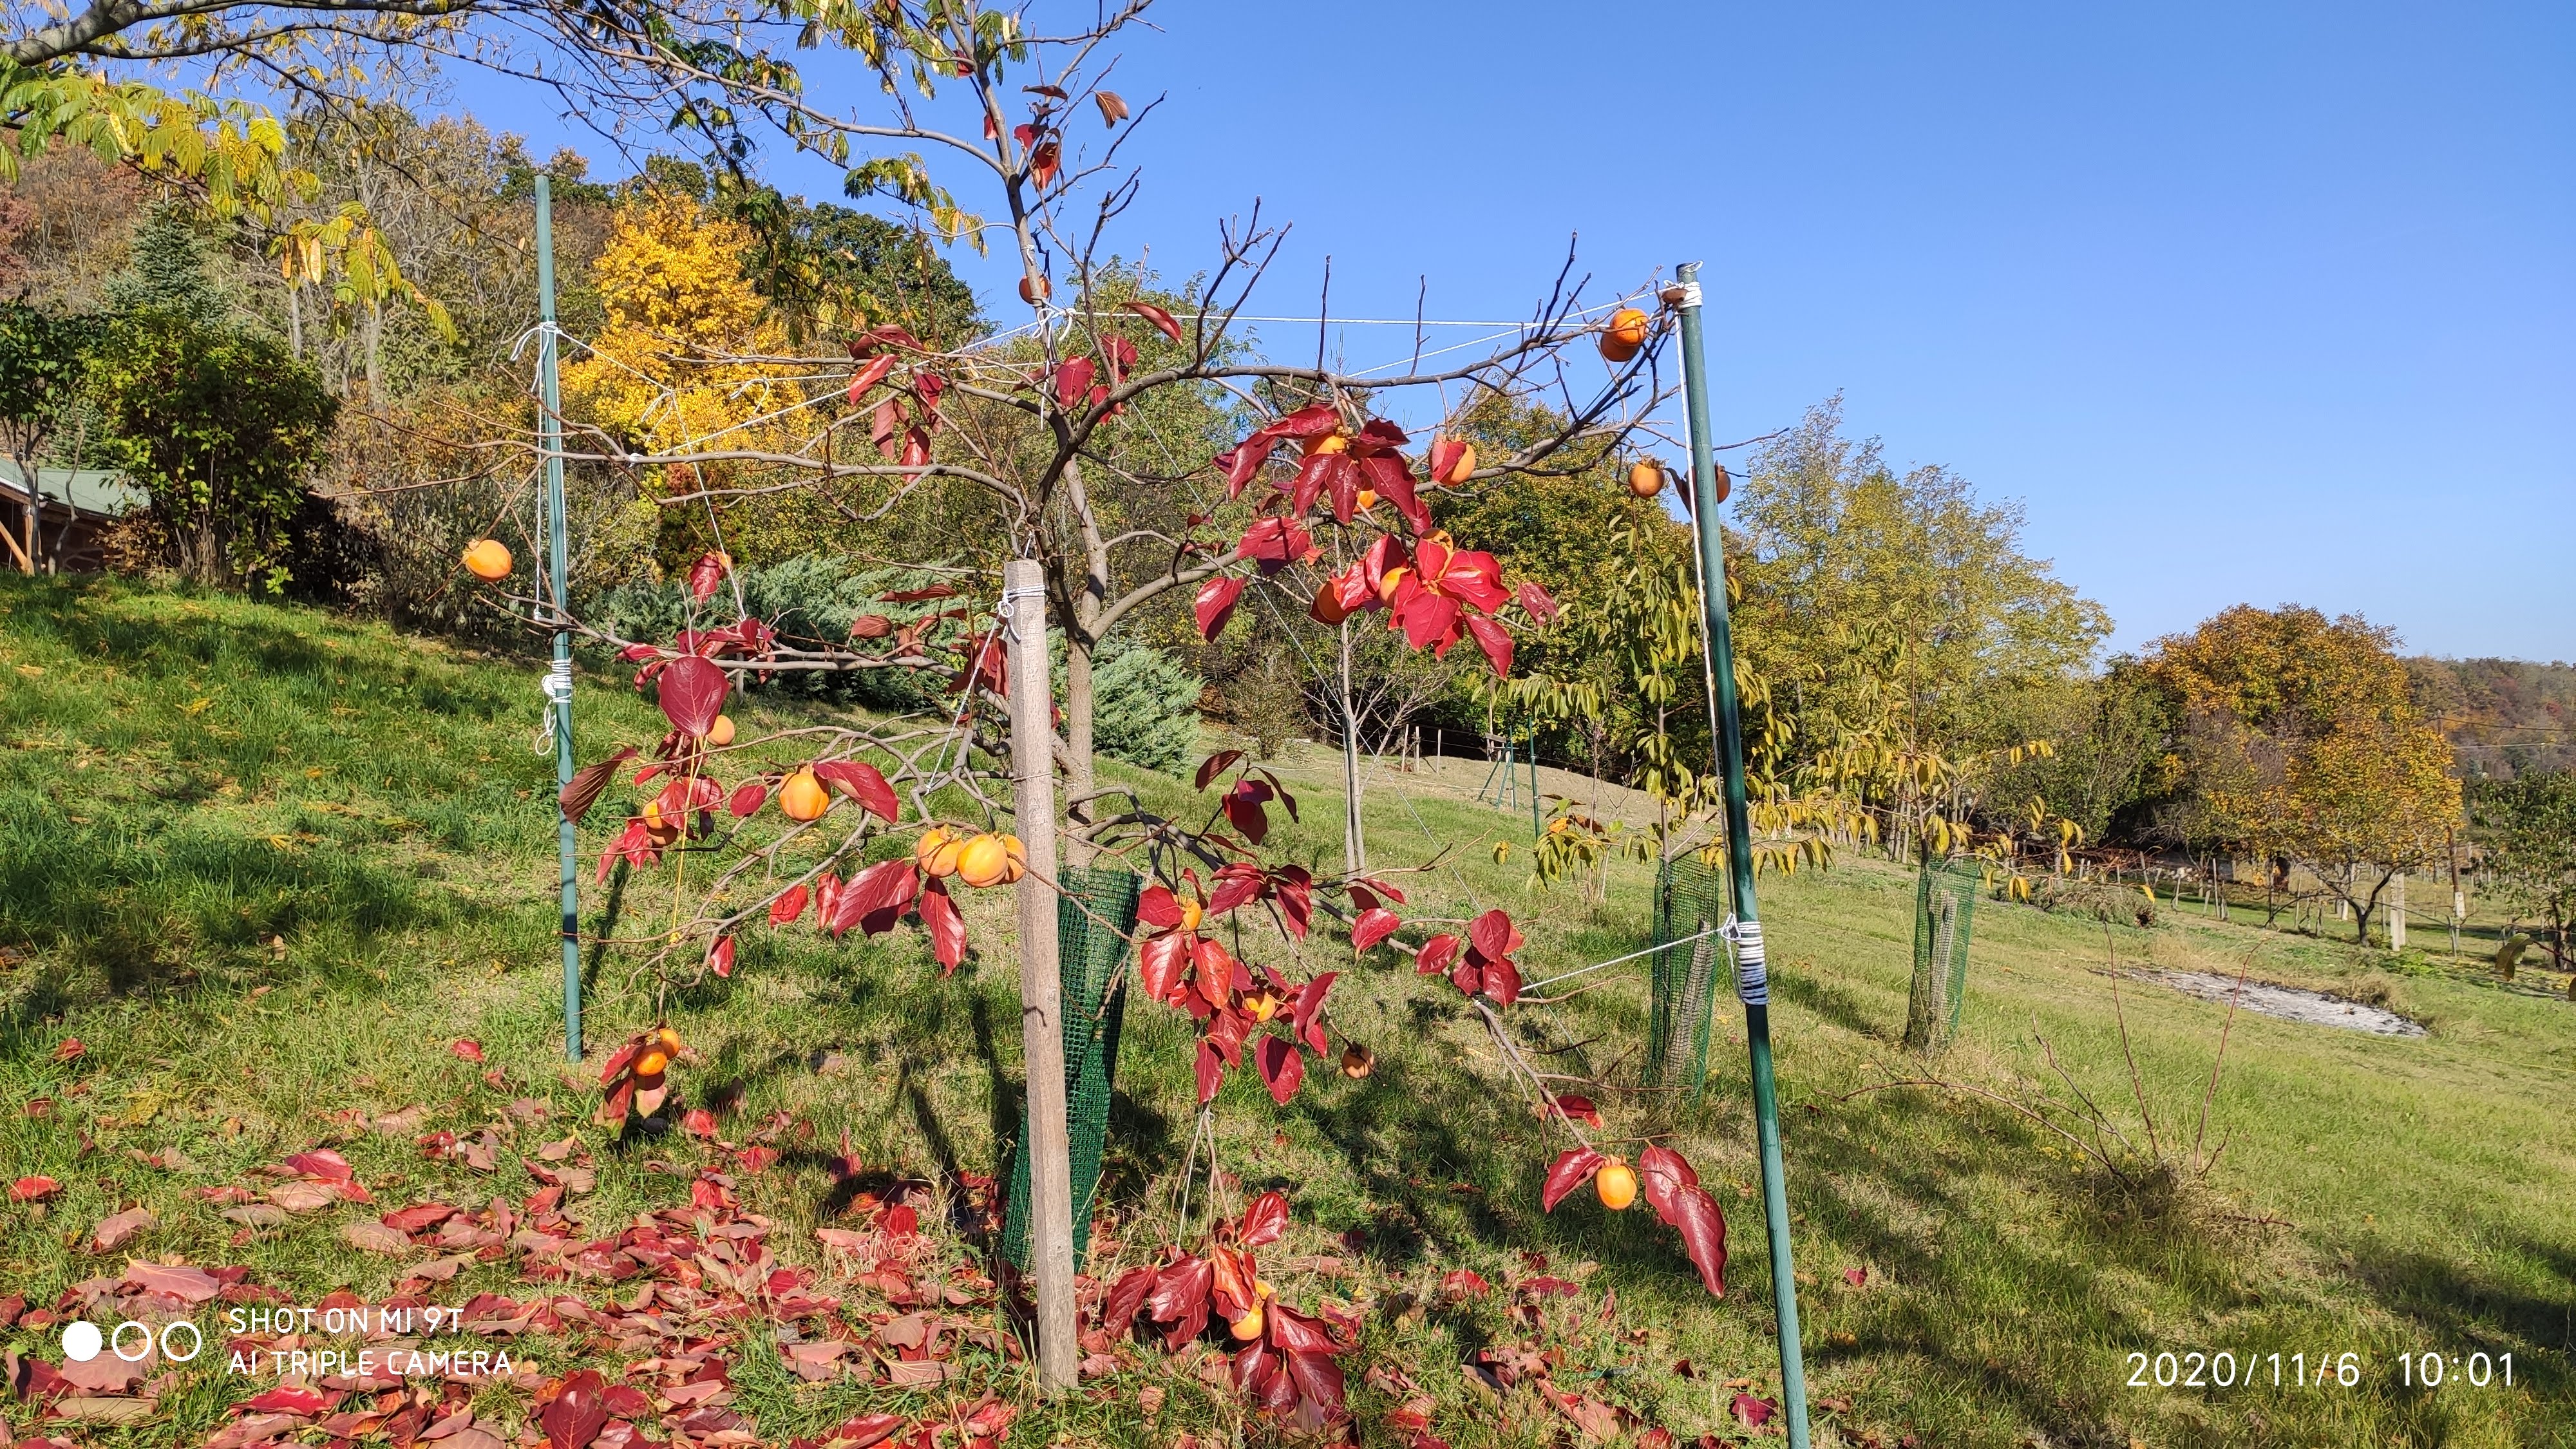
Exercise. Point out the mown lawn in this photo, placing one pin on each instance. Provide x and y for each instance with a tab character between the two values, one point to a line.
268	866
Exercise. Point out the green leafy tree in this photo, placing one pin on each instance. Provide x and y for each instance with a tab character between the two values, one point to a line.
2528	826
43	356
220	426
1902	626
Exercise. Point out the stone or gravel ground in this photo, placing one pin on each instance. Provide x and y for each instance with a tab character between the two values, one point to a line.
2289	1003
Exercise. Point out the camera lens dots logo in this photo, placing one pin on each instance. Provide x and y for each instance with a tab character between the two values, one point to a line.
81	1341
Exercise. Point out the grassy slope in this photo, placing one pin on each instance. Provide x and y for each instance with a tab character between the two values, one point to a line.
193	778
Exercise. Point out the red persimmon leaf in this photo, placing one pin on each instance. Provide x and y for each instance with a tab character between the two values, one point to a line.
1210	1072
1243	809
947	928
586	786
288	1399
1158	908
1243	461
1381	888
578	1413
869	376
1215	604
748	799
706	576
1541	605
1580	1109
720	956
418	1217
874	899
862	782
1502	981
1126	1299
1751	1412
1444	456
1236	885
789	905
1160	962
1162	320
1264	1221
467	1049
1215	765
1662	1173
1310	1007
1374	927
1493	936
693	694
1180	1299
1463	1283
33	1189
1433	958
1467	976
1674	1191
866	1431
918	596
1313	421
1426	618
1073	380
1282	1068
1495	640
1393	479
1572	1169
326	1164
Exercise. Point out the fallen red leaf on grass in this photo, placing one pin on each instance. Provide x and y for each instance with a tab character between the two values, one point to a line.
468	1049
577	1412
1753	1413
33	1189
112	1231
287	1399
72	1049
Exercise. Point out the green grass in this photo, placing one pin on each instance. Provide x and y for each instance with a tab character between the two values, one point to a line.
267	864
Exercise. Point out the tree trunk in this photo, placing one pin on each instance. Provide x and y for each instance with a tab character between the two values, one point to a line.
375	356
1354	841
1079	777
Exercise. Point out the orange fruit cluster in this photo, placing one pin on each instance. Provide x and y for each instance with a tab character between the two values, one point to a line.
980	860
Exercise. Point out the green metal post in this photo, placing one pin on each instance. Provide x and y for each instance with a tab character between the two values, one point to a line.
559	680
1752	981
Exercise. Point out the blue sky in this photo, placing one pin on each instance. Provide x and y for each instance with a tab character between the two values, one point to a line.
2245	303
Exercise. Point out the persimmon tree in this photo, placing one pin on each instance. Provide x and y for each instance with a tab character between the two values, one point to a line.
1307	482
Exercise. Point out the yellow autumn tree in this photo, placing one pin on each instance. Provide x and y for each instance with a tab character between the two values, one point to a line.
679	303
2307	747
671	279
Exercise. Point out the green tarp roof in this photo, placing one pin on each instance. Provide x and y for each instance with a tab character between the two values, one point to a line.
91	490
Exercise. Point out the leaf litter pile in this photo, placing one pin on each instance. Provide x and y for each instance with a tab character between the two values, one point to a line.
892	1315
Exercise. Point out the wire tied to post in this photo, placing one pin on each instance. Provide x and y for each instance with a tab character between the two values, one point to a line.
556	686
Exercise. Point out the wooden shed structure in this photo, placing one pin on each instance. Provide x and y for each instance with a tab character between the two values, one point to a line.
53	526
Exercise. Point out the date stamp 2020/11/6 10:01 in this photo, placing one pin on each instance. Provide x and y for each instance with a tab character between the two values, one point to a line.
2226	1369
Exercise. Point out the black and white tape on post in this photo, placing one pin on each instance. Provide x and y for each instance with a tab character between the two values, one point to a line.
1752	980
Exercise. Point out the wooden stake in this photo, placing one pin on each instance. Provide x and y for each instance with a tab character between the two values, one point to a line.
1024	612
